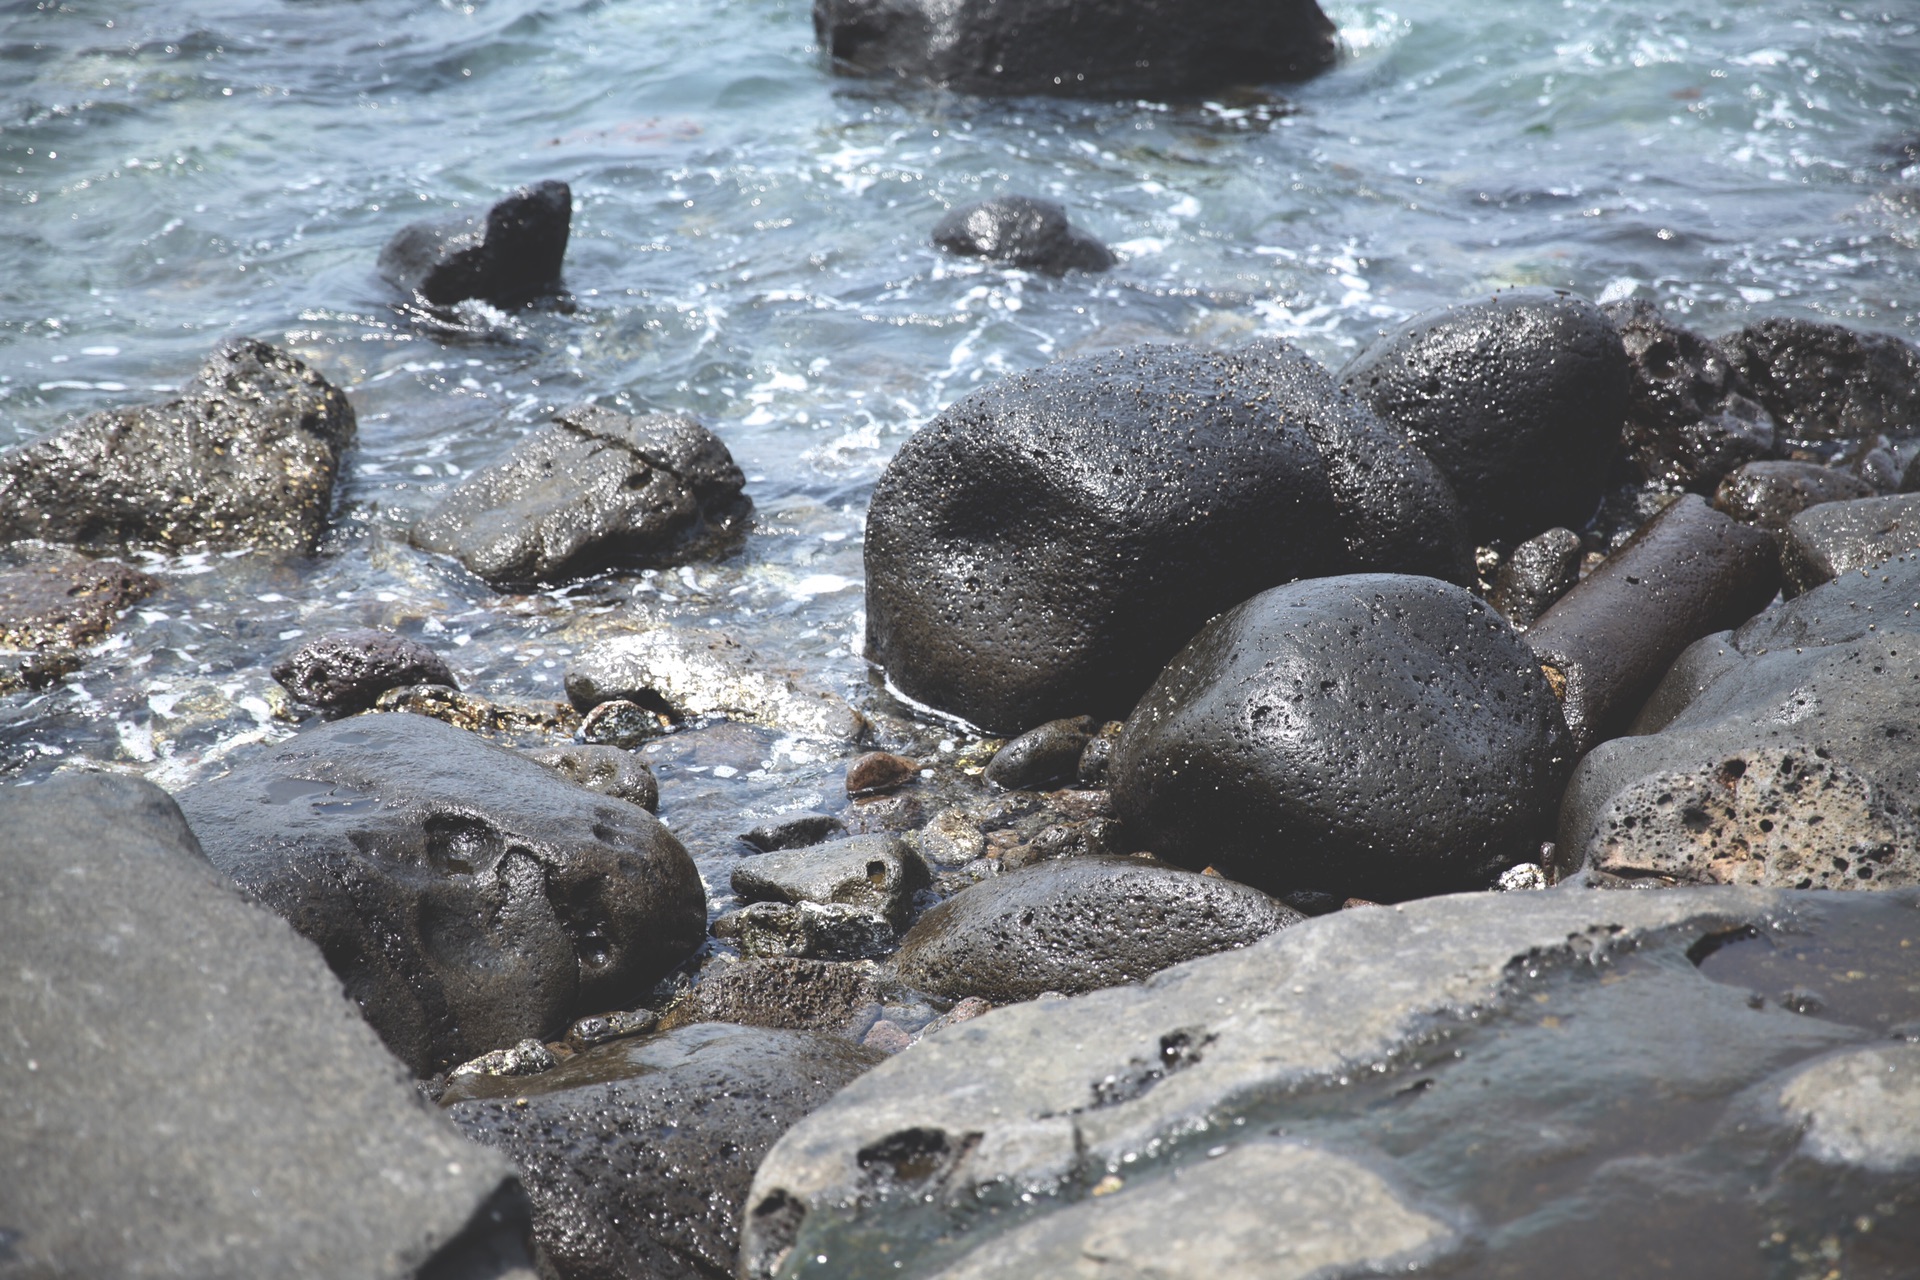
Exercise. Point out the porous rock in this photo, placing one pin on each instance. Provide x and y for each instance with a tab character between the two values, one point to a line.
52	598
184	1091
1043	547
1132	49
1688	572
509	257
1772	493
608	770
467	897
785	992
1021	231
476	714
879	873
1423	1049
245	457
1826	382
1540	571
349	670
1375	734
1777	754
807	931
1079	924
638	1154
589	488
1826	541
1518	399
1691	418
707	675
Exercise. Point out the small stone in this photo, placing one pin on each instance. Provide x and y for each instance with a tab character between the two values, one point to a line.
509	257
599	1028
1522	875
793	831
349	670
950	840
1023	232
877	872
965	1009
528	1058
1092	769
1048	754
607	770
1772	493
807	930
1826	541
620	724
879	771
887	1037
1540	571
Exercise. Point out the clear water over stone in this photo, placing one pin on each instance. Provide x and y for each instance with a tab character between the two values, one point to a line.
750	245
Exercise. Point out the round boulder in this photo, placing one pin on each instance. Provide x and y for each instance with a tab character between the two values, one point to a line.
1381	735
1042	547
1518	398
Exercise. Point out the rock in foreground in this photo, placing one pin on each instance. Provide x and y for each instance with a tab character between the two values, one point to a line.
509	258
184	1092
246	457
468	897
1635	1054
1136	48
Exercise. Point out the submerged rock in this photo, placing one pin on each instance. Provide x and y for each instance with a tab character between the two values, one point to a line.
1023	232
1826	382
591	487
1613	1045
1770	494
878	873
349	670
1826	541
52	598
1691	418
638	1154
1136	48
1077	925
245	457
186	1092
1380	735
1518	399
794	831
1045	545
467	897
476	714
508	258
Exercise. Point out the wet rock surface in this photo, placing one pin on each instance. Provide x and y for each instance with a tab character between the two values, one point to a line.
1386	1066
1772	493
608	770
1139	48
807	931
1376	734
1687	573
1540	571
245	457
1824	542
1518	399
686	676
591	487
794	831
798	995
878	772
1079	924
185	1092
1050	753
467	897
1021	231
638	1154
1691	417
1042	548
349	670
878	873
1826	382
508	257
50	598
1776	754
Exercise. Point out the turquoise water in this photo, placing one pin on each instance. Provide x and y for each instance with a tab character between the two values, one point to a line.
750	244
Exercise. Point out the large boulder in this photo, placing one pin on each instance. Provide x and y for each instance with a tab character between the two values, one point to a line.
245	457
509	257
591	487
1376	735
638	1154
1021	231
1138	48
1042	547
185	1092
1825	382
1778	754
1518	398
468	897
1691	418
1521	1084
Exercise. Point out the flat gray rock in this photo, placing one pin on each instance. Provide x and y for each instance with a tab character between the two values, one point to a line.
1503	1078
184	1090
879	873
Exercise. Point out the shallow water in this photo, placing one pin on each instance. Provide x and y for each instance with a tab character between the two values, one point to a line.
750	244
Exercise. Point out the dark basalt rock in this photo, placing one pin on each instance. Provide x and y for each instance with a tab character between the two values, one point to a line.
1079	924
349	670
1689	572
1050	753
638	1154
187	1093
1518	399
1779	754
798	995
1826	541
608	770
246	457
467	897
1023	232
1136	48
807	931
593	486
52	602
1826	382
1540	571
1043	547
1376	735
878	873
1772	493
794	831
1691	418
509	258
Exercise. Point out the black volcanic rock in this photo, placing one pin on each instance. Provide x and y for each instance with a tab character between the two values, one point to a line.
510	257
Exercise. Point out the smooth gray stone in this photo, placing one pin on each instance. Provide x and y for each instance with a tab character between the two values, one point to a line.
1542	1066
1833	538
245	457
879	873
184	1090
1860	1107
591	487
